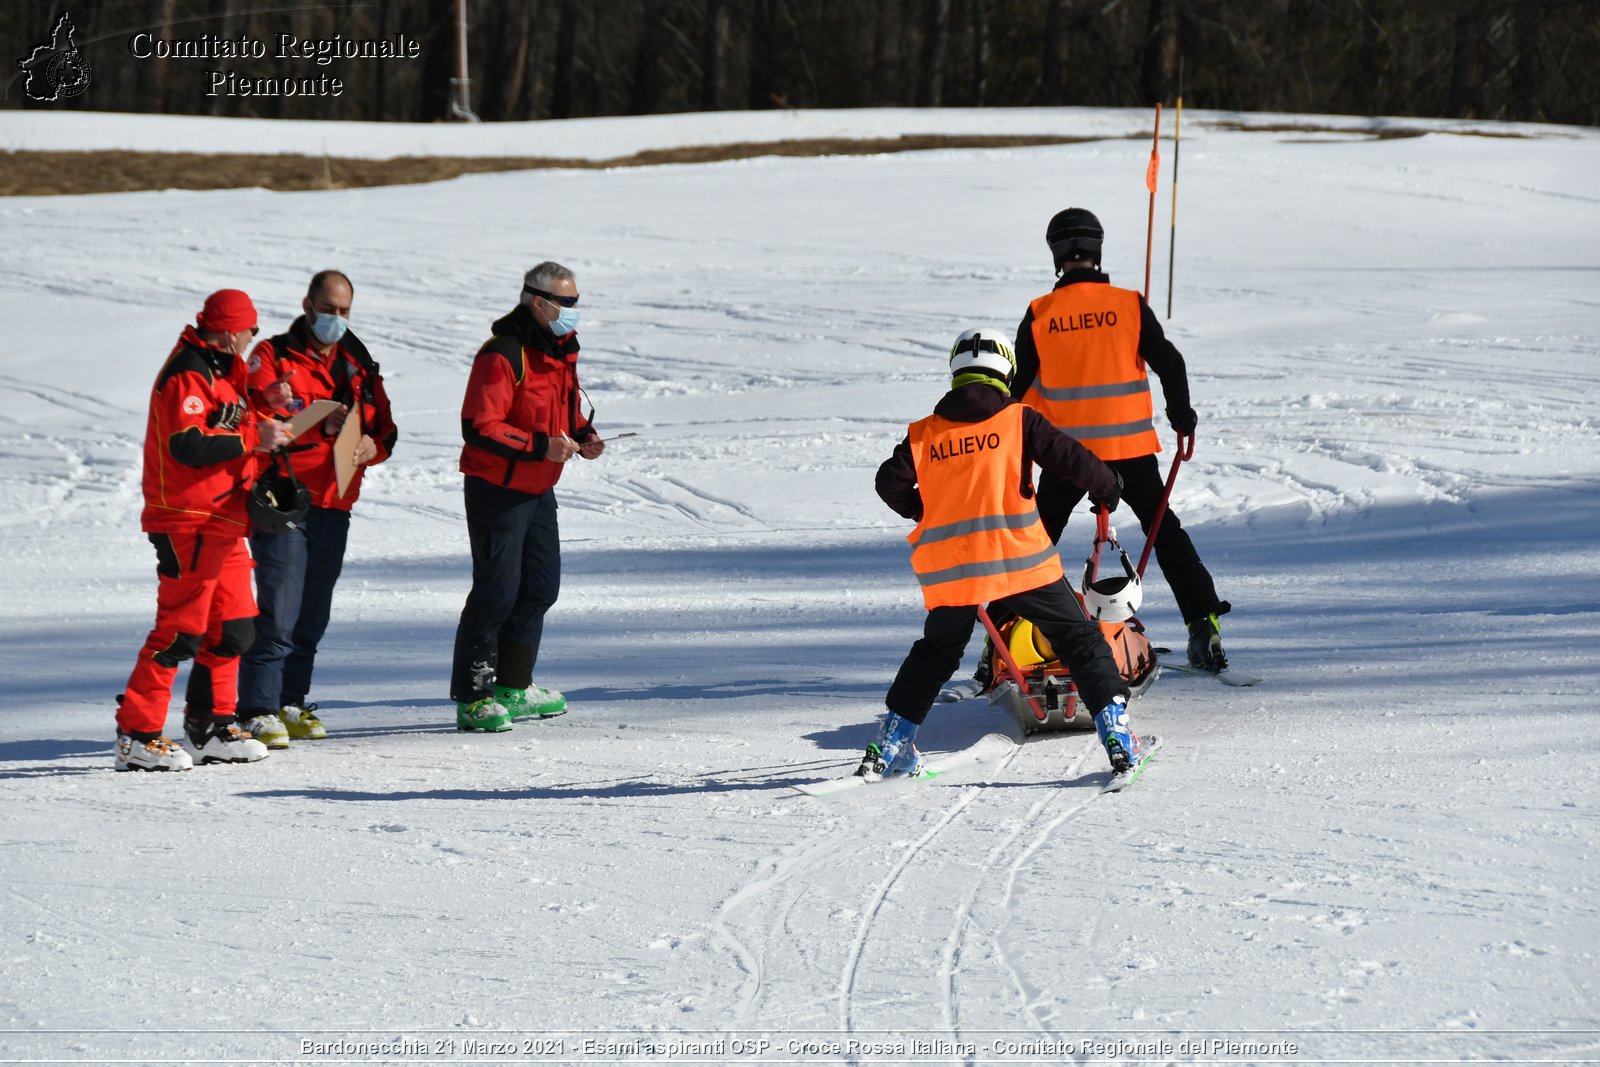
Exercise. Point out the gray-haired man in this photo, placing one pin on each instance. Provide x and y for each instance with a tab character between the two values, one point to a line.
521	421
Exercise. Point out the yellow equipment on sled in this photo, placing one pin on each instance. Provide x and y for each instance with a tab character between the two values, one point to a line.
1030	682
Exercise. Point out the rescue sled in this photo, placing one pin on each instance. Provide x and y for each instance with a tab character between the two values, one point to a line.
1030	683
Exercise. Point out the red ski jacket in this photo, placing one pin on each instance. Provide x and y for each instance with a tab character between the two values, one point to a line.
523	390
349	375
199	459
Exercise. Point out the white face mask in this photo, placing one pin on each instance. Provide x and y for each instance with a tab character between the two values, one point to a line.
326	327
565	322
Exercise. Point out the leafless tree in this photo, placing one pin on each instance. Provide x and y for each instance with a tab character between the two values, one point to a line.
1503	59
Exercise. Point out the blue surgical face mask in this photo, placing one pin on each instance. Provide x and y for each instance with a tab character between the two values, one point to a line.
565	322
327	328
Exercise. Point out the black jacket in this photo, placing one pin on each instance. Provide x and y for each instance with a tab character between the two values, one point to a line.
1042	443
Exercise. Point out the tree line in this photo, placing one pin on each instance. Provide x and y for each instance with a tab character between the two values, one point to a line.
538	59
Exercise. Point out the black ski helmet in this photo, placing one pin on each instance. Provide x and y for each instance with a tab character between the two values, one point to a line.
278	502
1075	234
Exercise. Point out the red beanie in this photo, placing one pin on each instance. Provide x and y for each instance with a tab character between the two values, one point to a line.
227	311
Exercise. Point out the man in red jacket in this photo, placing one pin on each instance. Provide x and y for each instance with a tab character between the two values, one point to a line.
199	464
318	358
521	422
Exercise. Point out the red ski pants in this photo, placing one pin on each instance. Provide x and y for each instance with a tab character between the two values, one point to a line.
205	611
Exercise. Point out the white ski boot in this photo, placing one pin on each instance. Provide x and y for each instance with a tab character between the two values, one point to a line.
150	753
220	741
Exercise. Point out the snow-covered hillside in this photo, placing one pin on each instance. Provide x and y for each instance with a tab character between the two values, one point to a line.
1387	850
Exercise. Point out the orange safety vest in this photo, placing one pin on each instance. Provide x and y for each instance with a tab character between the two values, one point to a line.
979	539
1092	383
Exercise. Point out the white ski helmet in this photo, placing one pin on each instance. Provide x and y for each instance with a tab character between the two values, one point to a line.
985	351
1113	599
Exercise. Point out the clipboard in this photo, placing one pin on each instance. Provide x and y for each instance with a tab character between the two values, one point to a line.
312	414
344	451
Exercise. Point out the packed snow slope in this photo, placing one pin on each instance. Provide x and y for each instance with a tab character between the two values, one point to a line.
1386	850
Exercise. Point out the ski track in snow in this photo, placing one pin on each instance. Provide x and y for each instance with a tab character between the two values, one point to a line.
864	930
1018	812
945	992
993	936
778	870
1397	483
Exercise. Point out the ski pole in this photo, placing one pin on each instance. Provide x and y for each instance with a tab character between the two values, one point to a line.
1181	452
1011	664
1177	143
1151	173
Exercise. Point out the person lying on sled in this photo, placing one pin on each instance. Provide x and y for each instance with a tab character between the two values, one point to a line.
965	474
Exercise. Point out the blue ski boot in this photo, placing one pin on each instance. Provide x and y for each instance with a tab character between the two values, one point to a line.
892	753
1122	744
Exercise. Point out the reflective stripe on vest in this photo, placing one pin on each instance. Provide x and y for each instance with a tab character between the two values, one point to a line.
979	539
1098	392
968	526
963	571
1091	382
1091	432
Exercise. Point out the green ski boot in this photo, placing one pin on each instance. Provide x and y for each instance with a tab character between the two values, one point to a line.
534	702
486	715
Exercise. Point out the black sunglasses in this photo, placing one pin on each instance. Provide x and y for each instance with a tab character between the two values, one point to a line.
564	301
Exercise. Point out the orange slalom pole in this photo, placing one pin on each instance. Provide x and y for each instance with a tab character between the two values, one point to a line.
1151	173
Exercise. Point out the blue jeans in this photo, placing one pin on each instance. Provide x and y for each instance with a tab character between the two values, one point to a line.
516	577
295	575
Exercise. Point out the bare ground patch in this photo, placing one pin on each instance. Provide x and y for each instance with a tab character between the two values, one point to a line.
29	173
1377	133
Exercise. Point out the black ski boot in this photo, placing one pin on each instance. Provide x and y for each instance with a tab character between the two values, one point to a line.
1205	645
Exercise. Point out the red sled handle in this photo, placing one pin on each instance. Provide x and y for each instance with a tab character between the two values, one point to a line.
1011	664
1183	450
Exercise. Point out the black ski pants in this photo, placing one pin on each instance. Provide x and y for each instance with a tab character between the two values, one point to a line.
516	577
1052	608
1142	485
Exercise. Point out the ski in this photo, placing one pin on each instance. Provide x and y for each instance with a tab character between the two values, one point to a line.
1121	780
1230	676
954	692
986	749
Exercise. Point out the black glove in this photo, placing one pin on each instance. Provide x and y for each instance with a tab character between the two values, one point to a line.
1183	421
228	416
1111	499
